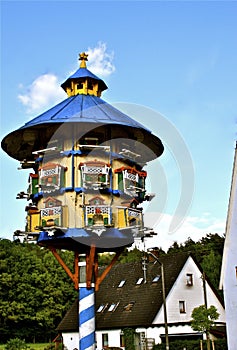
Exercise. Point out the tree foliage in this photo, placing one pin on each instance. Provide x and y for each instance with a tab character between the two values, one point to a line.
207	252
203	318
129	338
35	291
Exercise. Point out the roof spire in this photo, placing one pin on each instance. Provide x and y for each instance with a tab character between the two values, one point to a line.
83	58
83	81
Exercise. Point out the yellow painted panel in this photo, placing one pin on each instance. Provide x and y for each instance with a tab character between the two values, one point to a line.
121	218
68	172
34	221
65	216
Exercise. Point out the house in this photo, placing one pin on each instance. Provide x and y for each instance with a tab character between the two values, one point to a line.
131	297
228	280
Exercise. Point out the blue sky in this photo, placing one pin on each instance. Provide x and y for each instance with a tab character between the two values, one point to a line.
176	58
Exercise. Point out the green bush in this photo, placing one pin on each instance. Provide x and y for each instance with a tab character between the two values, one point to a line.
16	344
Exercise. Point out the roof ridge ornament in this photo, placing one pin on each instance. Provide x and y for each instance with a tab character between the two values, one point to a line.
83	58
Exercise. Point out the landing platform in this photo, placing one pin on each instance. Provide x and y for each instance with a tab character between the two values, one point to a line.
80	239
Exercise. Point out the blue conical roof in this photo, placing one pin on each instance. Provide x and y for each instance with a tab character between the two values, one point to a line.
84	109
84	73
87	109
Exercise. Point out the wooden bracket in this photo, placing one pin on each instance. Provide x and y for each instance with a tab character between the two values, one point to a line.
91	267
74	276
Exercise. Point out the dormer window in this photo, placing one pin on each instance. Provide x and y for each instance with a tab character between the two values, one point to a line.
121	284
139	281
90	85
101	308
156	279
94	84
113	307
189	279
129	306
80	86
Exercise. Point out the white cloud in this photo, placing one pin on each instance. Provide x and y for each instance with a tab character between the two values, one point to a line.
100	62
193	227
44	91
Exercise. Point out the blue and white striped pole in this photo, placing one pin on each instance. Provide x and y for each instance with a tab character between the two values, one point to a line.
86	312
86	318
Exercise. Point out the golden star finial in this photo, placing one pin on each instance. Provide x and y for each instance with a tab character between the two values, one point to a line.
83	58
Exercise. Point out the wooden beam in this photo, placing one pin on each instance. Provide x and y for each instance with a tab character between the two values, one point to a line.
74	276
90	262
91	267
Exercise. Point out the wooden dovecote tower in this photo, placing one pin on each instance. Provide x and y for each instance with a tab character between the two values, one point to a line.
89	157
86	183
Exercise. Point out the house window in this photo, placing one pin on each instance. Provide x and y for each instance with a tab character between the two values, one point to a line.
113	307
121	284
101	308
156	279
105	339
182	308
189	279
122	339
139	281
129	306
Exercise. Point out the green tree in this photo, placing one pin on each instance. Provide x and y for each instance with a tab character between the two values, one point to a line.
129	338
211	264
131	256
203	320
35	291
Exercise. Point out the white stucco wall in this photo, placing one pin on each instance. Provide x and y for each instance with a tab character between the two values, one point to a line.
71	340
156	332
113	338
228	279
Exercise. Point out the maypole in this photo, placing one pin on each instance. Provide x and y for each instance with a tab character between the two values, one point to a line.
86	318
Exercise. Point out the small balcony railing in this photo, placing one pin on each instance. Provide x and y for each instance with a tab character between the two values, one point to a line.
98	215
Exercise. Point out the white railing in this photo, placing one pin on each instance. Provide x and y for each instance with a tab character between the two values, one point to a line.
91	211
